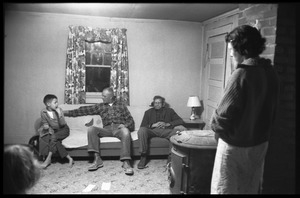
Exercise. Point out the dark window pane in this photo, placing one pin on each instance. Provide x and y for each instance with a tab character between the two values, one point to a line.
97	78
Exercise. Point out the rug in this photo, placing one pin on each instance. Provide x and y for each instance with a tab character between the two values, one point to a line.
59	178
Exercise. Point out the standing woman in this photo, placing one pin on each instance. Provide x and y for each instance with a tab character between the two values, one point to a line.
243	120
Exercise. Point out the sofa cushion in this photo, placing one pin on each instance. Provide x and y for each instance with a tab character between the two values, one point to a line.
82	122
78	130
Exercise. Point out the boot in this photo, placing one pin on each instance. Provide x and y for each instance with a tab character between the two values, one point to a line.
98	163
143	162
127	167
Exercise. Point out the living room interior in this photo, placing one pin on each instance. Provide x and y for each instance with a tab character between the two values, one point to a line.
167	56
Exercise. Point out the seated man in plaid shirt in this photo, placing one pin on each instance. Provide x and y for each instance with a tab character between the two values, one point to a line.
117	122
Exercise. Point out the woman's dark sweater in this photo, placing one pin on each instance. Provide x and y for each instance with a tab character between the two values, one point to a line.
247	110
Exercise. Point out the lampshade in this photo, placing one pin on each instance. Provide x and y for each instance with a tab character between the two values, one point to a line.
193	101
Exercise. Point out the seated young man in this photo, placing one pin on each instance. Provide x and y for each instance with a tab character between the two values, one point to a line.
158	121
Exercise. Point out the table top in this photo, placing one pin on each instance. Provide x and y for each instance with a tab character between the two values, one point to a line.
196	121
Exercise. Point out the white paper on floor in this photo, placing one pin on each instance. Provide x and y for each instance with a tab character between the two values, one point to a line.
105	185
89	188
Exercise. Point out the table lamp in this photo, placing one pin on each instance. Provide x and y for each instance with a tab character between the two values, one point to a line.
193	102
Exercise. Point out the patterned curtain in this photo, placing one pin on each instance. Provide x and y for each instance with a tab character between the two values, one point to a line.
119	71
75	66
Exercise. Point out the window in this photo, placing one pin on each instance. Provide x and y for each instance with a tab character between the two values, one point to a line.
97	56
98	66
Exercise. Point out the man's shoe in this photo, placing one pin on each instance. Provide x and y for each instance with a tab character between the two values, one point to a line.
95	166
129	171
127	168
142	163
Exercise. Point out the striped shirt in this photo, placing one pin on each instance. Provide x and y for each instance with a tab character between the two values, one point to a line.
117	113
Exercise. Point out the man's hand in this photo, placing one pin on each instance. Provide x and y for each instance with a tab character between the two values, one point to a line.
167	124
51	131
121	126
66	113
156	125
161	125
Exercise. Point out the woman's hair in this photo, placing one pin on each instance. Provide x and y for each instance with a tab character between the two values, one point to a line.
20	169
246	40
158	97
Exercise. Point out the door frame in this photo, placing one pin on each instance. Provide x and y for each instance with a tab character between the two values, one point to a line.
212	29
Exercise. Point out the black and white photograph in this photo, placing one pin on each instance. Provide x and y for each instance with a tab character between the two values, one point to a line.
176	98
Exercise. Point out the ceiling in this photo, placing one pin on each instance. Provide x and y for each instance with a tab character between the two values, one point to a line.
193	12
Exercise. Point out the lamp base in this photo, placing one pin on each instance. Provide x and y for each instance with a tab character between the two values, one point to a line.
194	117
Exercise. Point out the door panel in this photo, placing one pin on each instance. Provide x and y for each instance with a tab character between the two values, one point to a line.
217	47
214	93
216	70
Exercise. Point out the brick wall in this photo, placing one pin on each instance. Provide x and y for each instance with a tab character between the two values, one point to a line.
277	24
265	17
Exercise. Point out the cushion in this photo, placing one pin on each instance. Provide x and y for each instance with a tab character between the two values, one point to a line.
78	129
78	138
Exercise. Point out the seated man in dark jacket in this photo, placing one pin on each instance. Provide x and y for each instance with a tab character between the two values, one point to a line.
159	121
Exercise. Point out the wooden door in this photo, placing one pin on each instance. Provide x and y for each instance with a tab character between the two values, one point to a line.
218	69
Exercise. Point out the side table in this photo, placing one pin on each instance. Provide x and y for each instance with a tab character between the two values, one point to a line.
193	124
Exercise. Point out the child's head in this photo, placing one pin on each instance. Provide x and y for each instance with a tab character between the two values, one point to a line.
51	101
21	170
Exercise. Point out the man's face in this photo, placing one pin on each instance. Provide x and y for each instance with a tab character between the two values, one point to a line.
157	103
107	96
